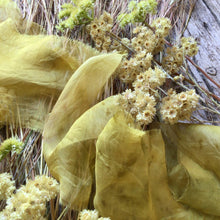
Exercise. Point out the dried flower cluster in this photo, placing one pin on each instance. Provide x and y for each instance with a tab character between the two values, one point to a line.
79	13
162	28
99	31
144	40
29	201
141	61
7	186
13	145
174	59
130	68
90	215
150	80
138	12
146	43
150	40
189	46
141	103
179	106
175	55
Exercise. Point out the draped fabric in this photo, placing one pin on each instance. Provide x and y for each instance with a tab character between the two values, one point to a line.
51	84
149	175
34	69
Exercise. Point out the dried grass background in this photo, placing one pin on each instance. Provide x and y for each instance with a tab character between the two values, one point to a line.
45	12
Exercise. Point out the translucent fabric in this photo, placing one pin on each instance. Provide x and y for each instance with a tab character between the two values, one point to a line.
133	180
69	144
34	69
93	149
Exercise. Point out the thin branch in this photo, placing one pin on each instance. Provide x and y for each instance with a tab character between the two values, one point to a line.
203	72
199	68
120	41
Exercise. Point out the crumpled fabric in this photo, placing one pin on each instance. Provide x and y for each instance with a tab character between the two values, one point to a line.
95	151
39	73
195	186
79	94
73	159
66	139
34	69
133	180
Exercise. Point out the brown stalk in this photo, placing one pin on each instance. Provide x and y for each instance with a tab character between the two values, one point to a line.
192	83
119	40
209	93
199	68
202	71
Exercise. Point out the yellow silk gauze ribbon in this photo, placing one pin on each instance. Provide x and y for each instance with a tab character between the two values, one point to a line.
34	69
93	149
157	174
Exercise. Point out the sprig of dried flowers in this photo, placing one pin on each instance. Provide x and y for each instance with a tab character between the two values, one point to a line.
29	201
143	100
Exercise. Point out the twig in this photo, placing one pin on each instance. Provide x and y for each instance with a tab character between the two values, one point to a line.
185	87
202	88
63	213
119	40
189	16
151	28
202	71
193	82
199	68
